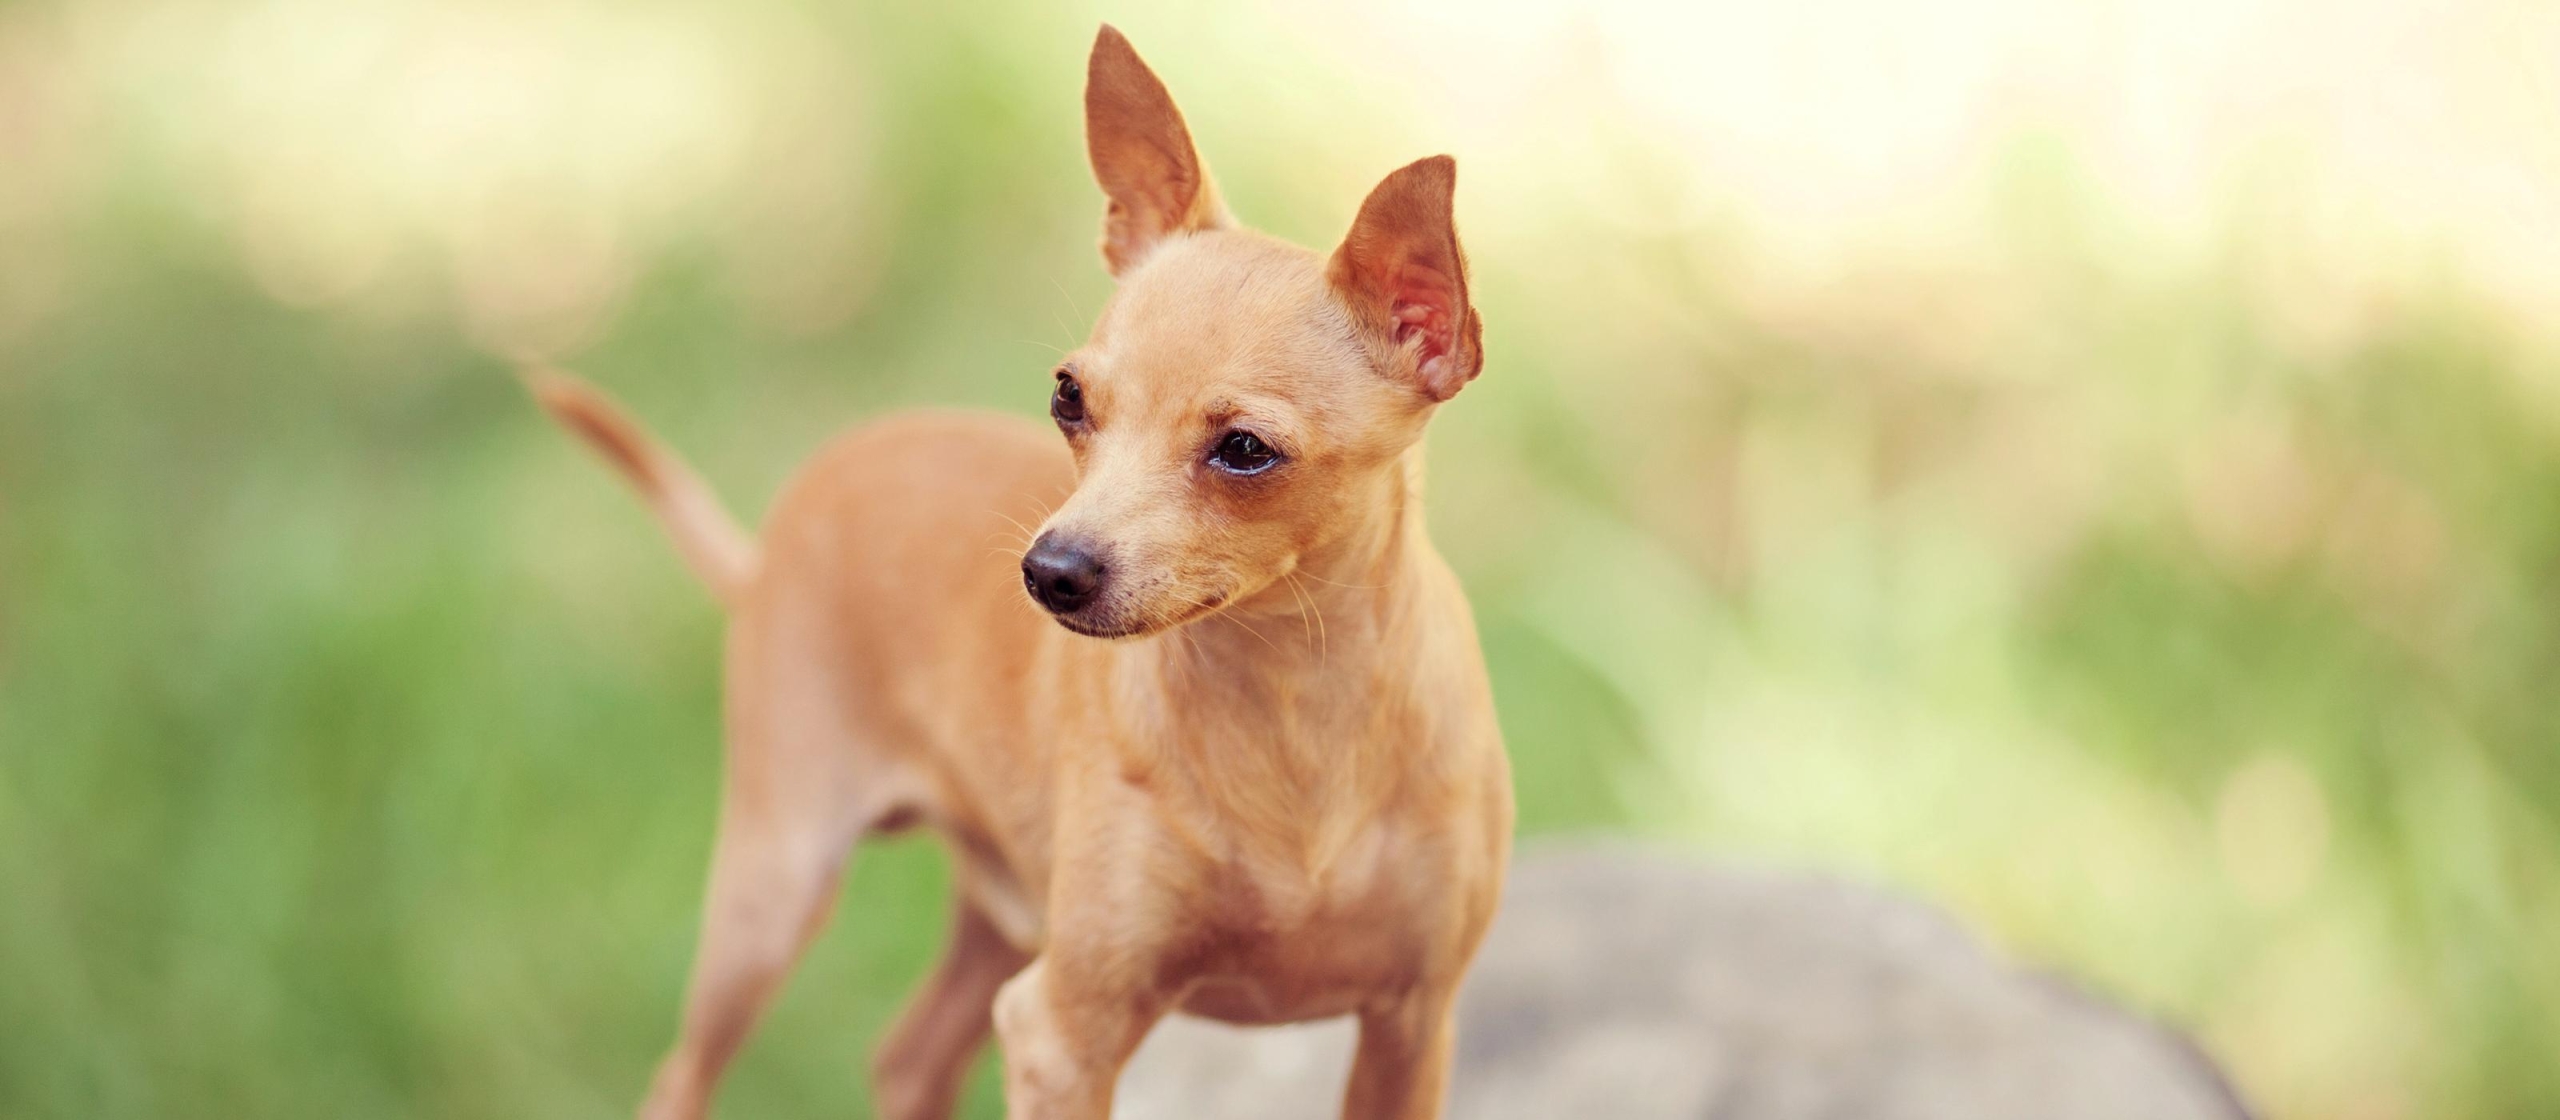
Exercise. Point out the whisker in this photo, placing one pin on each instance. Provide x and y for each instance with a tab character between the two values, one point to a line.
1346	586
1071	305
1024	603
1298	595
1019	527
1324	635
1248	628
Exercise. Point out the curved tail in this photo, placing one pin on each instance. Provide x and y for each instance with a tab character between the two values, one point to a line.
710	540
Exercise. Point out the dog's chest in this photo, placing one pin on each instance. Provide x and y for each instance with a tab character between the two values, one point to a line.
1285	942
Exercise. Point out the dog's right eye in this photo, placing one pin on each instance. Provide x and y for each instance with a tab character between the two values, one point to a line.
1067	404
1242	452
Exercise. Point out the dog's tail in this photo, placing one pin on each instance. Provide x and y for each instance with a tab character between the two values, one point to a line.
712	544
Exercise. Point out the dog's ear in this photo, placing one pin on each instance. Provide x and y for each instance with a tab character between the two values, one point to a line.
1142	156
1402	274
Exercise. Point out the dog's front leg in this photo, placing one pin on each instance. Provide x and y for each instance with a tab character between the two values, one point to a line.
1068	1024
1402	1069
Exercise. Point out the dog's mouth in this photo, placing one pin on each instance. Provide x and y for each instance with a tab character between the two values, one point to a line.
1118	629
1093	631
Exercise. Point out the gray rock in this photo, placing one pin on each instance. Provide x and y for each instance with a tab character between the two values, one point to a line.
1634	986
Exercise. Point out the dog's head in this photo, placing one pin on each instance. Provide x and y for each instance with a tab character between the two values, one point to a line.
1243	403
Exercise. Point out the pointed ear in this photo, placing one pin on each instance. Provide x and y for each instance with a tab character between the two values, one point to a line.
1142	156
1402	274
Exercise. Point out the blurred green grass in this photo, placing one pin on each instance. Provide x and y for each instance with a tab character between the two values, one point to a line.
357	735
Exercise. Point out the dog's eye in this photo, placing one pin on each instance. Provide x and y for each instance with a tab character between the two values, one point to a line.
1242	452
1067	404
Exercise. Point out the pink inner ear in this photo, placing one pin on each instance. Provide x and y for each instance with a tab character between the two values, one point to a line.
1425	308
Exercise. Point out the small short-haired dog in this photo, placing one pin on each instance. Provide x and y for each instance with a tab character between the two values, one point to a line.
1244	766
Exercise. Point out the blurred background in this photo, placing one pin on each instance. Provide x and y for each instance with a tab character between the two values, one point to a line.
2094	466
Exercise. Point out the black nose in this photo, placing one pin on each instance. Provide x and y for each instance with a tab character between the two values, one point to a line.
1062	576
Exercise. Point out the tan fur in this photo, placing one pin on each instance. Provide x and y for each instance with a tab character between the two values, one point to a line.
1279	795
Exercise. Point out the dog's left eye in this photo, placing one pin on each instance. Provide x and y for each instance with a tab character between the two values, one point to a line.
1242	452
1067	403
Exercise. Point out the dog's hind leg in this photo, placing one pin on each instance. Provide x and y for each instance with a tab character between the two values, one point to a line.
769	896
795	799
918	1071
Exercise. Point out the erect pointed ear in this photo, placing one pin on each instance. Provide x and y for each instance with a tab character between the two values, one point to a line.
1142	156
1402	274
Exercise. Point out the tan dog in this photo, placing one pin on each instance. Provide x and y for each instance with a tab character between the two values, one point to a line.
1261	779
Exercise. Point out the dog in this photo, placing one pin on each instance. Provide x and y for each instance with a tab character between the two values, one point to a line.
1218	740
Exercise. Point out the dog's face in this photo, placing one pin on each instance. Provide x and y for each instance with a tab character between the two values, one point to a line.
1242	402
1224	418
